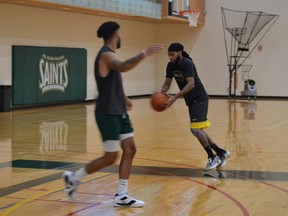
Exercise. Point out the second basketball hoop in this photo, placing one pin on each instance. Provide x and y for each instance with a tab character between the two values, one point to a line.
192	16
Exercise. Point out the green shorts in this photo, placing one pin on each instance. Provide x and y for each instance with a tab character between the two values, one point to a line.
113	126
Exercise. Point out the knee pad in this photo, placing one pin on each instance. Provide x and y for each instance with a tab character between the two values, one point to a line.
197	132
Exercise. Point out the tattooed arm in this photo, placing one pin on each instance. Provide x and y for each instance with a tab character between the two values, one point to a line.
112	62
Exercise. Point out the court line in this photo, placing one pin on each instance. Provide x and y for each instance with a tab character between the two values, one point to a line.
7	206
230	174
237	202
231	198
262	182
18	205
234	174
155	171
25	201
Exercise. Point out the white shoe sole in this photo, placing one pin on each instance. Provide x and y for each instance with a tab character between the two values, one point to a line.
212	167
127	201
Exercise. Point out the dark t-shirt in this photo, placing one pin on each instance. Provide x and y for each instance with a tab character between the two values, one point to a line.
186	68
111	98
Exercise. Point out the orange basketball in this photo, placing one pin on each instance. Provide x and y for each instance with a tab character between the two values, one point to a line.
158	101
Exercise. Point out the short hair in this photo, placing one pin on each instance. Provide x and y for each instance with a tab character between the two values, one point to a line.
107	29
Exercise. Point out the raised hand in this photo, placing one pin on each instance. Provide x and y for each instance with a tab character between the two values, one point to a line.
156	48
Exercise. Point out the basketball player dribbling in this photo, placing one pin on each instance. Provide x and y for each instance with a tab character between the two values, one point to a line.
183	70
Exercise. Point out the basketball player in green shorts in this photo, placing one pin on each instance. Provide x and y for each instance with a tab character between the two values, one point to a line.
183	70
111	114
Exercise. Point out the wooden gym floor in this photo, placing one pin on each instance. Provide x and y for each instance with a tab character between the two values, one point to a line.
37	145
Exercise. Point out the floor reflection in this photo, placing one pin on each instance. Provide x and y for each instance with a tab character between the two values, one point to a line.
48	132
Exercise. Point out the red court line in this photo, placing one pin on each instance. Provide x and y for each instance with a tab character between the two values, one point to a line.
238	176
271	185
238	203
234	200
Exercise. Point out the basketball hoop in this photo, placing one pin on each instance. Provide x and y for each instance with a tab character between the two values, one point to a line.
192	16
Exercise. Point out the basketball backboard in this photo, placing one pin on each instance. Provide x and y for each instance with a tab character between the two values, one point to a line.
175	6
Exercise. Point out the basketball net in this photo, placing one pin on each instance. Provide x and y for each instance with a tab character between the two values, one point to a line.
192	17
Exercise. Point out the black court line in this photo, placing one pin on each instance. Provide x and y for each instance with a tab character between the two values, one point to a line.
142	170
184	172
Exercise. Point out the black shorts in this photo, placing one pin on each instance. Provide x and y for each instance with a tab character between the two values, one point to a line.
198	114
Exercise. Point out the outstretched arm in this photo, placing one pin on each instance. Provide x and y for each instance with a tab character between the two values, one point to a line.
122	66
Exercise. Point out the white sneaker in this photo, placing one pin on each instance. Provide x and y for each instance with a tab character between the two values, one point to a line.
212	163
128	201
223	157
70	186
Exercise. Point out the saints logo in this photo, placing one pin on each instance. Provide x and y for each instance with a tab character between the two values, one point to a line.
53	73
